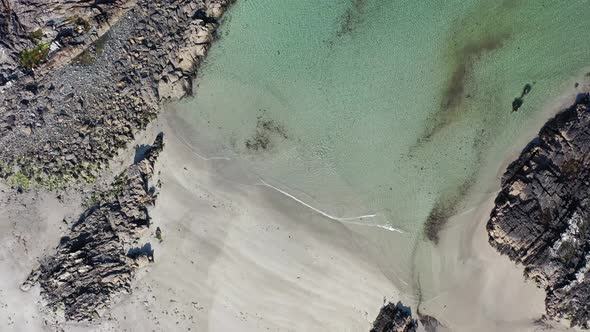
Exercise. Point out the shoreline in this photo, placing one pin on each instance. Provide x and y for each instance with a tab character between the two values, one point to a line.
482	255
62	128
460	235
538	219
214	269
464	240
231	226
175	121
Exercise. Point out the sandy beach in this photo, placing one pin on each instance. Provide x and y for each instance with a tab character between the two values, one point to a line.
237	256
247	257
232	256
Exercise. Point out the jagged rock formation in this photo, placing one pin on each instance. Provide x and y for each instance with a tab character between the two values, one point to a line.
429	323
541	216
96	259
98	73
394	318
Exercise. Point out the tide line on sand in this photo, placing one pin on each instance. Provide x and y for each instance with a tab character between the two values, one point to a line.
343	220
347	220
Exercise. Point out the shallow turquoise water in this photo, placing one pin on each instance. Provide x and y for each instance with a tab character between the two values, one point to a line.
380	107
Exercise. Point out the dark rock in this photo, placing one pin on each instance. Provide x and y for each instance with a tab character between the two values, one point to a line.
429	323
517	103
527	88
394	318
95	260
541	217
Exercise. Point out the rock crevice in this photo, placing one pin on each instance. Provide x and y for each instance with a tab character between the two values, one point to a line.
98	256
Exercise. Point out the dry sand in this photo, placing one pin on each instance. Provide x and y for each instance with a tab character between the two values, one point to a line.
30	227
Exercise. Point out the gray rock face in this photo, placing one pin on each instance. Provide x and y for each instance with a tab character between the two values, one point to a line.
96	259
394	318
541	216
109	66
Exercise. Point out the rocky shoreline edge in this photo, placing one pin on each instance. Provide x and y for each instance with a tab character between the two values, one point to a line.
399	318
78	80
97	257
541	216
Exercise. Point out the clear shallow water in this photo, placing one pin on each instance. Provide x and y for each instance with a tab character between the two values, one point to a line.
379	107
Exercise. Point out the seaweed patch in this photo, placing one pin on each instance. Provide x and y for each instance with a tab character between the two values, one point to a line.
466	57
266	130
351	20
352	17
485	30
445	207
453	94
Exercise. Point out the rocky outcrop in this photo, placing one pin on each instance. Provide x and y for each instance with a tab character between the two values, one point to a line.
95	73
429	323
98	256
541	216
394	318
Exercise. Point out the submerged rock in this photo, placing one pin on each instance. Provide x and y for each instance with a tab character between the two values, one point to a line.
95	260
541	217
394	318
518	101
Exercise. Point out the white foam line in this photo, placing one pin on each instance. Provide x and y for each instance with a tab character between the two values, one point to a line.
192	148
344	220
389	228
